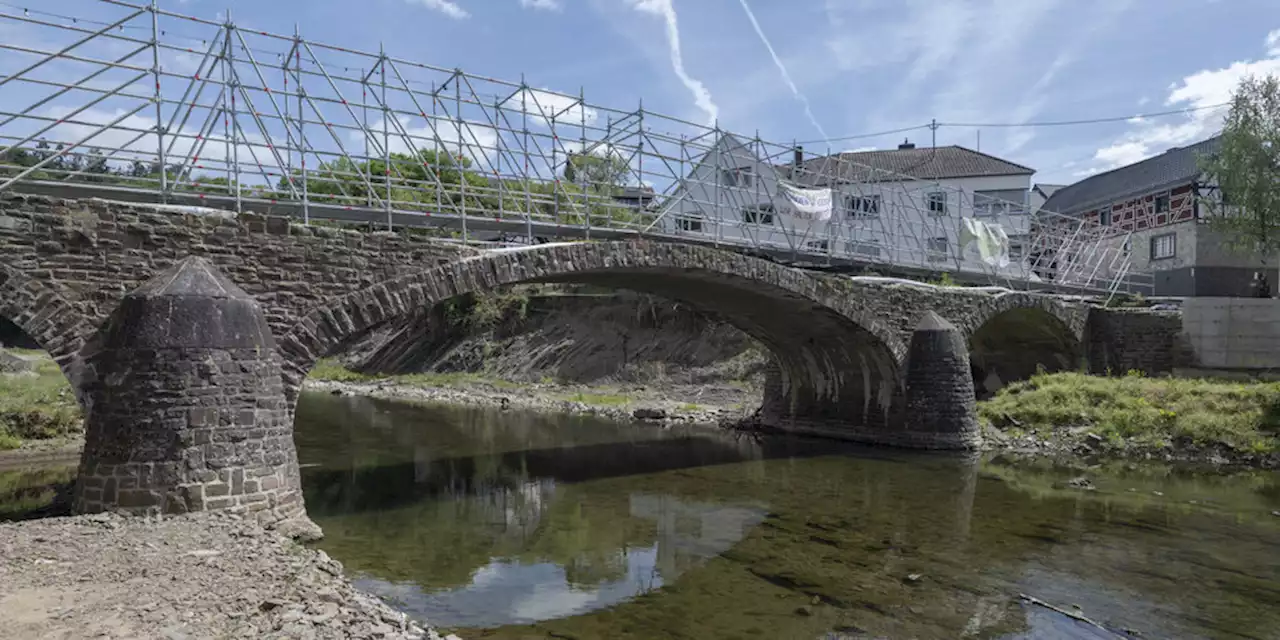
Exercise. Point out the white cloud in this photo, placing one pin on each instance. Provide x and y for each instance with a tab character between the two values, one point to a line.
479	143
701	96
782	68
1200	90
544	105
546	5
447	7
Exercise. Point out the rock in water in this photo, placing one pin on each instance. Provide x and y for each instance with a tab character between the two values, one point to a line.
649	414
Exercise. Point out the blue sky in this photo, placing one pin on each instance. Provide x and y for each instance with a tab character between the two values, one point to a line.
810	69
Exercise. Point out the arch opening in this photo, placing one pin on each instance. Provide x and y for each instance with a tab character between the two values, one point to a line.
1015	344
37	401
837	371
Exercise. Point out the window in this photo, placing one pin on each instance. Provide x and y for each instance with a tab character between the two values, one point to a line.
736	177
998	201
816	245
689	224
1164	246
1015	251
759	214
1162	203
1104	217
863	206
868	249
937	249
938	203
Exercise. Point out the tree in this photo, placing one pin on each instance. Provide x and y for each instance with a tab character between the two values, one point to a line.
601	172
97	165
1246	170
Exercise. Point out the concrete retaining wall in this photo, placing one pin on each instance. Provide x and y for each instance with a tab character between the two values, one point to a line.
1233	333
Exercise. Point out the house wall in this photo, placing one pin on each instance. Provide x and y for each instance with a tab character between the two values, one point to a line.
902	233
1203	263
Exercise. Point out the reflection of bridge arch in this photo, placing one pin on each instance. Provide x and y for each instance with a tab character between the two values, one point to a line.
839	364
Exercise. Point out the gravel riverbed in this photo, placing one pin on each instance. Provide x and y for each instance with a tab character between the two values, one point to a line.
705	404
210	575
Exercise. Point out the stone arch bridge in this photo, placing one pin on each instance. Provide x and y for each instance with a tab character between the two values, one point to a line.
187	336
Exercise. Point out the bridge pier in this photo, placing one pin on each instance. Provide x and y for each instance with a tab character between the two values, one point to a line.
933	407
940	407
185	406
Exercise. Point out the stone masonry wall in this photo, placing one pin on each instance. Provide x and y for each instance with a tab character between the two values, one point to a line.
1120	340
91	252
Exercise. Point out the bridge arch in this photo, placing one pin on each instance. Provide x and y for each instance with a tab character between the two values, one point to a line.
838	365
1014	335
48	317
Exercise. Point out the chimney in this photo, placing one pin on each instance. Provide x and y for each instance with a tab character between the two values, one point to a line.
796	161
906	144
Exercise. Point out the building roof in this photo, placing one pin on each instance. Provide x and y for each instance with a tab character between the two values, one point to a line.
907	162
1175	166
1047	190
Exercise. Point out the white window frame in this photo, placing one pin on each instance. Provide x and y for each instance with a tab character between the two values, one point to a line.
863	249
864	206
759	214
737	177
822	245
937	249
937	203
1156	242
690	224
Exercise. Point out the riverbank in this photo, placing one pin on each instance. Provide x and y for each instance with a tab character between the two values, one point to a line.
197	576
667	403
1063	416
36	403
1193	420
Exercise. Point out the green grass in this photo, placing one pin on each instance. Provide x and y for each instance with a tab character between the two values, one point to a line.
332	370
599	399
1156	412
38	407
453	379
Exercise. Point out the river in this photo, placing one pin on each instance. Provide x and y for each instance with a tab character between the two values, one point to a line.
515	525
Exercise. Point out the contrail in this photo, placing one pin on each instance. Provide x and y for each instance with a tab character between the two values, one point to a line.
786	77
701	97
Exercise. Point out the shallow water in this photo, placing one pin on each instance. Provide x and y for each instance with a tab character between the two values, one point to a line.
519	526
512	525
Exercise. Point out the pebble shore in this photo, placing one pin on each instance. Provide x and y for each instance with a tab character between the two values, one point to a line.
207	575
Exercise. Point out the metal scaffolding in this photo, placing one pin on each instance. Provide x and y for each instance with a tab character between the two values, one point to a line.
152	105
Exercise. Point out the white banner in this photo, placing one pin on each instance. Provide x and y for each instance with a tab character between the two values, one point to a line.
809	204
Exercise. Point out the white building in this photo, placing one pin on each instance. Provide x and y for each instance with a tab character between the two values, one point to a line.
900	207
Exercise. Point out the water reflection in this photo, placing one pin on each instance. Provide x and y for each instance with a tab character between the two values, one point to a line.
596	530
